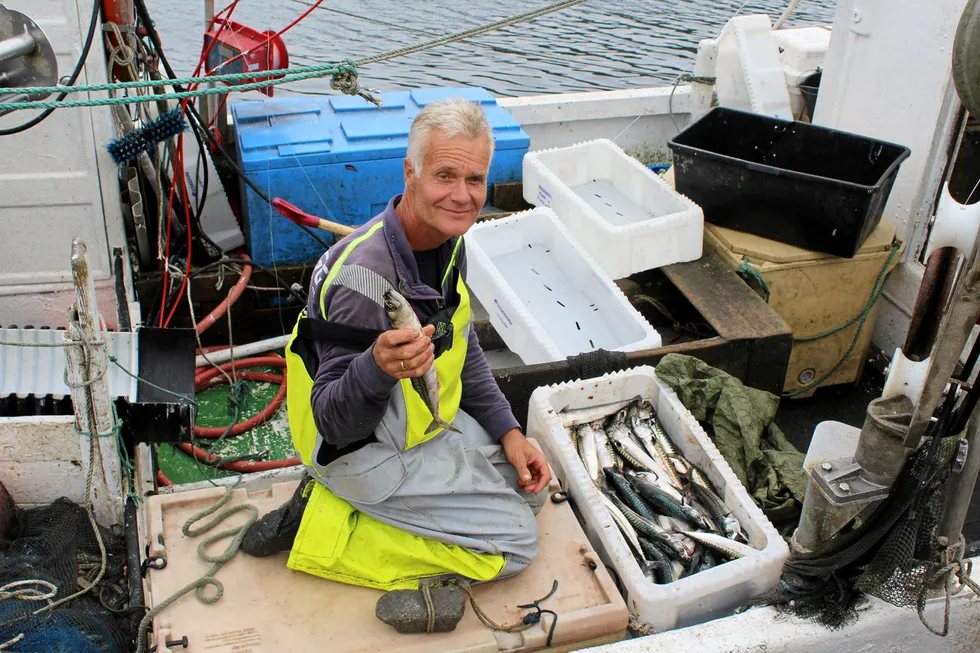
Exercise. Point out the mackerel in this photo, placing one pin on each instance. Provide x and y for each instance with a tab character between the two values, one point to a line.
718	510
652	530
646	412
624	526
628	494
588	450
578	416
722	544
634	454
661	501
402	316
607	455
658	559
645	434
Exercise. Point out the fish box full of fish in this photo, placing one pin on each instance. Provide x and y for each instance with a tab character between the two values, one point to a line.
626	216
657	499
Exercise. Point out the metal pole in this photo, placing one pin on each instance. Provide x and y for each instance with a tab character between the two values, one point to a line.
17	46
206	106
954	331
961	486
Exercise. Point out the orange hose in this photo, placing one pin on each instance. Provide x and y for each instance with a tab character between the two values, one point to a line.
232	297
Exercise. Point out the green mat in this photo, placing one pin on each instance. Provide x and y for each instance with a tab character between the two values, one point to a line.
212	410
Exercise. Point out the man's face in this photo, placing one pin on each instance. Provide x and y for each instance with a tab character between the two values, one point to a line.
452	187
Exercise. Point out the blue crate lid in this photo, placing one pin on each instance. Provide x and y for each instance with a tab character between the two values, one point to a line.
287	132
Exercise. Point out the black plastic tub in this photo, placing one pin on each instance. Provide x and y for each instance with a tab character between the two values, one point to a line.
797	183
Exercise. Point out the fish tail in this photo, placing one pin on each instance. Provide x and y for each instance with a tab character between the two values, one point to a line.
437	423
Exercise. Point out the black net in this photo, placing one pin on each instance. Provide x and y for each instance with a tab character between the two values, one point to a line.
892	554
56	545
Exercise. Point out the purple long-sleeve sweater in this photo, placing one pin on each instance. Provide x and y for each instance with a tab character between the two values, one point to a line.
350	392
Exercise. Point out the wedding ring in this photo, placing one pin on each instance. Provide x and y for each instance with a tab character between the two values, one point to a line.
403	365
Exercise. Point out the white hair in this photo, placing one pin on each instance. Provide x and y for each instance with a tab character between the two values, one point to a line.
451	117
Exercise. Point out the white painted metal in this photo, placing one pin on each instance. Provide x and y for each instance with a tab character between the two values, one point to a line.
887	76
40	371
641	121
881	628
62	184
41	459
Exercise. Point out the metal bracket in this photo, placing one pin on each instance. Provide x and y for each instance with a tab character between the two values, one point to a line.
842	482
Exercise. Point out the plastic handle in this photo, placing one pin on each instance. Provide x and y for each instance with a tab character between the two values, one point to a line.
294	214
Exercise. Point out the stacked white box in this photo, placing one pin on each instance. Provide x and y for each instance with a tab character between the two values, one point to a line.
624	214
706	595
546	297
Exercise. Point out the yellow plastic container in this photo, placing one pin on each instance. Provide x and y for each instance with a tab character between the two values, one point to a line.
813	293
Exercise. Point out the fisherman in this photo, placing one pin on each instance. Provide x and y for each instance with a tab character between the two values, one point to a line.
393	505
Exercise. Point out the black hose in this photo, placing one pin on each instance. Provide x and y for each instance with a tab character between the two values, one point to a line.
144	16
71	79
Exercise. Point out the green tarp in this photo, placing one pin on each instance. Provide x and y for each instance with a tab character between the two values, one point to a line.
740	421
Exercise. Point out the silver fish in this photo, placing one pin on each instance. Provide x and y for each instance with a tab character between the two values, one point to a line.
576	416
624	526
607	455
660	436
589	450
721	544
401	316
718	510
644	433
621	438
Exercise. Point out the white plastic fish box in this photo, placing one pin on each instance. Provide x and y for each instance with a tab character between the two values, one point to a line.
546	297
704	596
627	217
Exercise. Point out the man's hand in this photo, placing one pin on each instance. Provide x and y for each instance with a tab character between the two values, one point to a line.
403	354
533	474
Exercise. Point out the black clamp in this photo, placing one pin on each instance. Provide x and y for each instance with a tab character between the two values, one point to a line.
151	562
535	617
560	496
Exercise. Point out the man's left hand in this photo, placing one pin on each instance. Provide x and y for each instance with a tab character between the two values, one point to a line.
533	474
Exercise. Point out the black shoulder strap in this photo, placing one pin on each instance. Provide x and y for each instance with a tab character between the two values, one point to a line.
335	333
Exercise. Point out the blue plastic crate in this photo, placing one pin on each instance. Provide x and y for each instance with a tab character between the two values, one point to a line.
340	158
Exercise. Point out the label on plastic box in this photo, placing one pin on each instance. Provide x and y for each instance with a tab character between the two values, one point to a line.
544	197
502	315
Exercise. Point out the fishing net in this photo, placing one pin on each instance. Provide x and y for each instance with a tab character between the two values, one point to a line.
51	553
894	554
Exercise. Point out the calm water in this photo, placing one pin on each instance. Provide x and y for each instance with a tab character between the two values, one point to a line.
599	45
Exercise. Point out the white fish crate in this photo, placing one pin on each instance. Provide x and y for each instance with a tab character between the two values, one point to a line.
546	297
628	218
706	595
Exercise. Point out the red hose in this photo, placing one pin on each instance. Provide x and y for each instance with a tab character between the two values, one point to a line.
208	377
162	479
232	297
244	466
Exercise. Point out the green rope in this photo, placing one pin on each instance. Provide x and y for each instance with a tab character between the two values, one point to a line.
321	69
138	99
860	318
747	272
198	586
872	300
